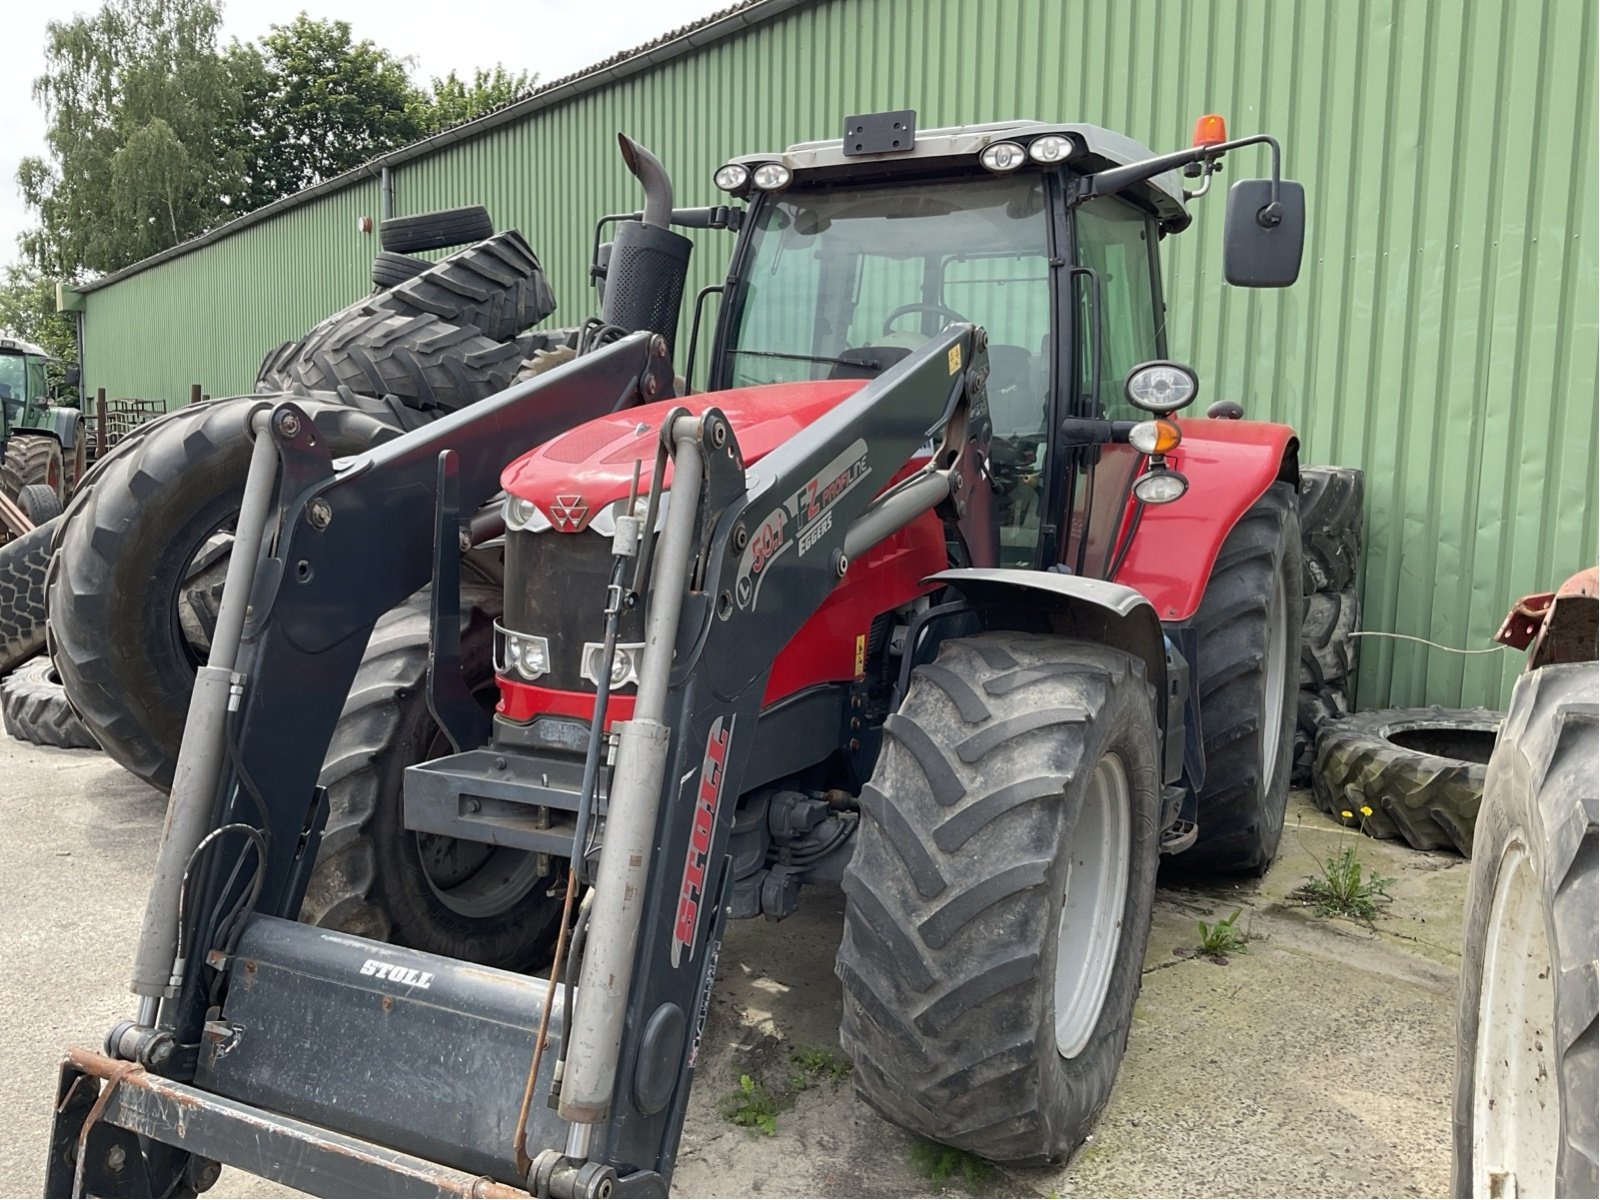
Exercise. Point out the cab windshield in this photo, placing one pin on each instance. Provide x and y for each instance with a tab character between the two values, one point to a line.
842	284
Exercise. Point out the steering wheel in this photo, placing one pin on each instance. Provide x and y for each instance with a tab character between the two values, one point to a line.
940	309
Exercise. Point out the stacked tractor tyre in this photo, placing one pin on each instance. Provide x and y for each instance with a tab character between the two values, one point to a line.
135	579
1330	537
140	561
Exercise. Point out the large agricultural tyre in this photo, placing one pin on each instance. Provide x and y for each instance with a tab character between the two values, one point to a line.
39	503
436	230
1248	637
998	901
24	562
1328	645
127	555
34	708
497	286
389	269
1330	527
1526	1051
375	878
426	363
32	459
1314	708
1420	771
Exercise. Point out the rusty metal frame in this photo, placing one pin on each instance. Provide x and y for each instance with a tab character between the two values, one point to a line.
1562	626
213	1127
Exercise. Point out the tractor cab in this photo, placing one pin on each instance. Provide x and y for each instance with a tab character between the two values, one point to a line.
855	252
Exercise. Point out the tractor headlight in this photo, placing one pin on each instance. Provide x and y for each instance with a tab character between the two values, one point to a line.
1160	487
730	177
1003	156
526	654
519	512
1154	437
772	177
1051	148
624	663
1161	387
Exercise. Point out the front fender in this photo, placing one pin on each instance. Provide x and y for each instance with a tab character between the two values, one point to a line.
1092	609
1230	465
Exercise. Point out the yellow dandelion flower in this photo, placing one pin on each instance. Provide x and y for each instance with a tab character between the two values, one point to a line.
1346	813
1366	810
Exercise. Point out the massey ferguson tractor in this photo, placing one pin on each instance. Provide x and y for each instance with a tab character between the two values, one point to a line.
931	592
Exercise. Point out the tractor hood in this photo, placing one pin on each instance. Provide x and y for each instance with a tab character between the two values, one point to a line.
573	478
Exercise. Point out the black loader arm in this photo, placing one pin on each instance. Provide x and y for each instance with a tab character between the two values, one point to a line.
767	547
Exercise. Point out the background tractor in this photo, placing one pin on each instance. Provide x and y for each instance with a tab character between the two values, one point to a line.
43	443
931	593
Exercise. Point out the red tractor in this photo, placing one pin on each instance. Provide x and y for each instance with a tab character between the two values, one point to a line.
931	593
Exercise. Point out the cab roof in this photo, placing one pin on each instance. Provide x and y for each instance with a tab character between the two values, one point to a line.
1102	148
11	345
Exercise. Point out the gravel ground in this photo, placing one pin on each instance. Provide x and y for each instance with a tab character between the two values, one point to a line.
1317	1062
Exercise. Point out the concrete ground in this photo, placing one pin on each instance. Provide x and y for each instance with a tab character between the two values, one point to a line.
1316	1063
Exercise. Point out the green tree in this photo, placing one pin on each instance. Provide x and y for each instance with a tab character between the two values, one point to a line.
135	96
455	100
28	311
316	103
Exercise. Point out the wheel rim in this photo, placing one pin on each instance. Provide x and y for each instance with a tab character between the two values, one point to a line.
1096	893
1277	671
1516	1102
473	879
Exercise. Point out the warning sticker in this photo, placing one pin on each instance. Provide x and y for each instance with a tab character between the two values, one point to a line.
861	654
954	358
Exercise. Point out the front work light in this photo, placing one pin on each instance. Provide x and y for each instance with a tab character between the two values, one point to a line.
1161	387
1051	148
730	177
1160	487
1003	156
772	177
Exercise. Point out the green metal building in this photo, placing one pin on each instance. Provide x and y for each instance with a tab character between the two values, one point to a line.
1442	335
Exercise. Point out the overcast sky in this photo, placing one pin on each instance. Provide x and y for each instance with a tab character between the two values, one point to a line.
550	37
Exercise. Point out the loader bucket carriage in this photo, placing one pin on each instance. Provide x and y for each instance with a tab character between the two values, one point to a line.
926	594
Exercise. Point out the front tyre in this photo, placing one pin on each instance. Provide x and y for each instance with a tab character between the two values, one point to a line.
1526	1059
998	901
374	877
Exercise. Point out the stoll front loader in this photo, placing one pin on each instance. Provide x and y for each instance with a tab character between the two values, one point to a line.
929	593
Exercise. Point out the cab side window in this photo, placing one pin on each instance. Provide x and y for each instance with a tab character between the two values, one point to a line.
1117	241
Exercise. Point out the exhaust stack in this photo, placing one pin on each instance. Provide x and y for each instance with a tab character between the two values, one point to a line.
648	264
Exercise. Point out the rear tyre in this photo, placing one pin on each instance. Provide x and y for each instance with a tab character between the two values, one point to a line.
374	877
126	558
24	562
998	900
1526	1056
1248	636
32	459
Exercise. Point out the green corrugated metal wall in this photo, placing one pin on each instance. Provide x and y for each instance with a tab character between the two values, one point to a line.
1442	335
208	317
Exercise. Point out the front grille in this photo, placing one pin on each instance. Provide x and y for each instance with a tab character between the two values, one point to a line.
556	589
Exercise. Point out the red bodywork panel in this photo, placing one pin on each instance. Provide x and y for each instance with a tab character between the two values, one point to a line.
588	468
1230	465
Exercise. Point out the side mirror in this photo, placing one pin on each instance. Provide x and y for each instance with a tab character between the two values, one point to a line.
73	374
1262	247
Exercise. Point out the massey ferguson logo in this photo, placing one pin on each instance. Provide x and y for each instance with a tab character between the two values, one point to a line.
568	512
406	976
707	798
